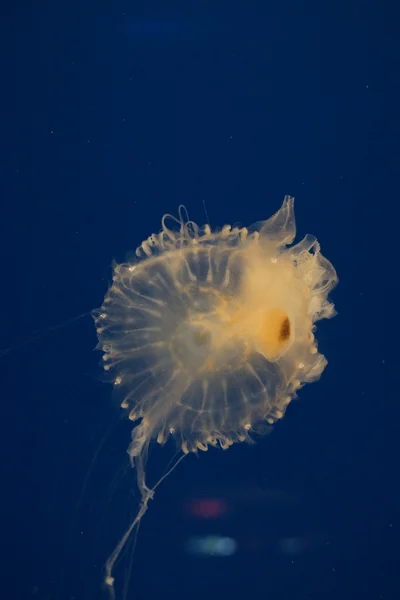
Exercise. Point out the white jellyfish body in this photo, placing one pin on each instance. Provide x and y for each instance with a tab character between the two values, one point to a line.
207	335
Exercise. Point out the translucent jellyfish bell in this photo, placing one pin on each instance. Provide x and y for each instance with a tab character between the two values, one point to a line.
206	335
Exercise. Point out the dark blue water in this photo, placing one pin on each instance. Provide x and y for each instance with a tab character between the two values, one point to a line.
110	117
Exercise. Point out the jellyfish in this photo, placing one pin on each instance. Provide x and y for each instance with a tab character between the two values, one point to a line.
208	335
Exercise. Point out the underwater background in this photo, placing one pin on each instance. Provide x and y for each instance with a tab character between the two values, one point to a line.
113	114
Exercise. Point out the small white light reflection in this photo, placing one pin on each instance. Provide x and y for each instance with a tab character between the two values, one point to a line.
211	545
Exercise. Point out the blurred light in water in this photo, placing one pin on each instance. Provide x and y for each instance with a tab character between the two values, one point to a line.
211	545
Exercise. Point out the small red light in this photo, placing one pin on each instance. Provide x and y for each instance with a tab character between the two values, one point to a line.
207	508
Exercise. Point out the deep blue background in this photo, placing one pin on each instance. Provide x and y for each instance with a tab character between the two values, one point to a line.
112	115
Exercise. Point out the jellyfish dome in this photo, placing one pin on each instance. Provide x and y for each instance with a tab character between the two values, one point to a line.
207	335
